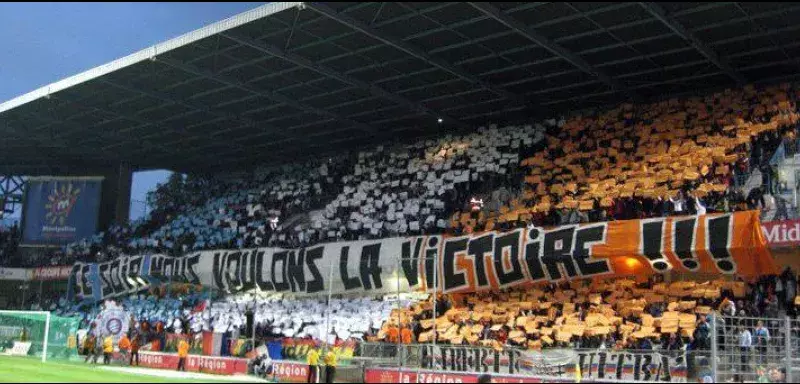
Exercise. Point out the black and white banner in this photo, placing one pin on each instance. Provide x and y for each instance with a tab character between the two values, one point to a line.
715	244
360	266
379	266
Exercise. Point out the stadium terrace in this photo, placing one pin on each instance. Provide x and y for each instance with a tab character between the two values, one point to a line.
417	192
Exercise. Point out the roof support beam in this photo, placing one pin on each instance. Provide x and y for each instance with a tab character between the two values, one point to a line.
252	143
147	53
267	94
55	141
421	34
544	42
220	114
144	143
330	72
674	25
410	49
496	35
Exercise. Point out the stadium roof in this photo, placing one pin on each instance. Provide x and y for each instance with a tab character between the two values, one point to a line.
293	80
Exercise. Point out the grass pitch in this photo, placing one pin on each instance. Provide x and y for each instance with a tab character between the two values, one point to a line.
32	370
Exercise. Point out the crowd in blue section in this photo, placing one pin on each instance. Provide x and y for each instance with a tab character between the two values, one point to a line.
496	178
452	184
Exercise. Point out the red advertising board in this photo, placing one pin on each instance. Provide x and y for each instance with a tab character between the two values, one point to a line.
205	364
283	371
782	233
389	375
394	376
290	372
51	273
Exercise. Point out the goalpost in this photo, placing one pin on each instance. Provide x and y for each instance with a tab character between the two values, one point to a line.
25	332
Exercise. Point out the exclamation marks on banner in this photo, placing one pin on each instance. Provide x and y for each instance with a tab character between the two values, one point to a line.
718	241
716	231
652	241
683	239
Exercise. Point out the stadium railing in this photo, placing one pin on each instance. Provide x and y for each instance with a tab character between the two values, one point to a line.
774	356
514	363
725	361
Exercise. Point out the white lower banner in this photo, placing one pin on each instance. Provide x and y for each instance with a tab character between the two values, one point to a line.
20	348
594	363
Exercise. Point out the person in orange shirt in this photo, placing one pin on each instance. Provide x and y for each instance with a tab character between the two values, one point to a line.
124	345
406	336
136	343
183	352
392	334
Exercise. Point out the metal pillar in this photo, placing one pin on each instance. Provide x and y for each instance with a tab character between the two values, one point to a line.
714	348
11	190
787	331
399	353
41	291
435	299
327	318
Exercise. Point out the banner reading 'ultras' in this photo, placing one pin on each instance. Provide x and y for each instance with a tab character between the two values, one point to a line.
728	244
60	210
664	366
464	364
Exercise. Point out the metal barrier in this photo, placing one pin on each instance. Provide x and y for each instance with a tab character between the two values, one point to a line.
770	353
561	363
739	349
747	349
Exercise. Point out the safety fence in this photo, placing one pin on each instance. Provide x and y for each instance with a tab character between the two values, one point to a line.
734	349
420	362
747	349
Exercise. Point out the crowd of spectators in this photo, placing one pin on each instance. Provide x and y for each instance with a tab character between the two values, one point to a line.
9	240
680	156
402	190
675	157
185	309
613	314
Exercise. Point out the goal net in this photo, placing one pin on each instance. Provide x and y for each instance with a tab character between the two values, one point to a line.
39	334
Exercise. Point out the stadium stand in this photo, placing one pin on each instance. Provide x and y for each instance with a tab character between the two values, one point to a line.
249	235
679	156
582	314
594	167
405	190
612	314
182	310
413	189
601	166
9	240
